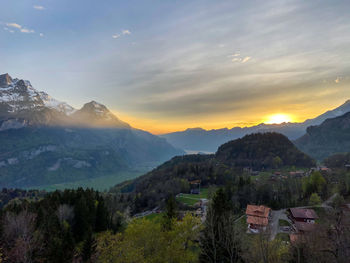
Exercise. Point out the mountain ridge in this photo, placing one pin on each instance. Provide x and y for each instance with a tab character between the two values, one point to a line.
199	139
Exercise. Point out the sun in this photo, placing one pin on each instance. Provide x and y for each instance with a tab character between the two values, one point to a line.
278	118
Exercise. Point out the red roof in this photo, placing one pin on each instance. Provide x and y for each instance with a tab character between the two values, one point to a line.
303	213
261	221
258	210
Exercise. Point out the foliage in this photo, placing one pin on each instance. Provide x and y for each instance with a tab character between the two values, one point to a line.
315	183
314	199
221	238
146	241
50	229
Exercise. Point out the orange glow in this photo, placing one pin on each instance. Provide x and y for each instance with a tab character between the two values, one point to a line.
278	118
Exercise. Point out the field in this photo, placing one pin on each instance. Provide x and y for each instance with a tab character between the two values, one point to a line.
191	199
100	183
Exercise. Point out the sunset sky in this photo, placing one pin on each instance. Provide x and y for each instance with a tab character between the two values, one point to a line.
167	65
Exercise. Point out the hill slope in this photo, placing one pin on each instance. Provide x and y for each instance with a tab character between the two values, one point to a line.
262	151
332	136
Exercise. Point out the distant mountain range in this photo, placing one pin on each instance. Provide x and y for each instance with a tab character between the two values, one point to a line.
331	137
198	139
44	141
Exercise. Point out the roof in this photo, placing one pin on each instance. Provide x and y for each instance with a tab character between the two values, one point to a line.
195	182
305	227
257	210
262	221
303	213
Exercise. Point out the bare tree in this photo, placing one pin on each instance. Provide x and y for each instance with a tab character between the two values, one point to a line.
20	236
65	213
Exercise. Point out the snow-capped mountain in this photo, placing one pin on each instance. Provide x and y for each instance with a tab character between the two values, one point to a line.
22	105
19	95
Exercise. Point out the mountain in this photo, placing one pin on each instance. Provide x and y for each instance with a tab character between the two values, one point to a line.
265	151
94	114
262	151
45	141
198	139
331	137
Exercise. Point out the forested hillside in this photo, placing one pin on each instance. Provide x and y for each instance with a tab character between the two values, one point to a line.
257	151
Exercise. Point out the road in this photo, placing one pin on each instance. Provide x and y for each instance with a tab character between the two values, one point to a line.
276	215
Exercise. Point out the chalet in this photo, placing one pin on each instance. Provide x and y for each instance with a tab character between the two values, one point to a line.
257	217
347	166
277	173
325	169
303	215
195	187
297	174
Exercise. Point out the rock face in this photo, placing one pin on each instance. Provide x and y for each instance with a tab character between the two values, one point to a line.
44	141
331	137
94	114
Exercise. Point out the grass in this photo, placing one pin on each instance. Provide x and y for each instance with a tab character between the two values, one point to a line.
191	199
283	222
99	183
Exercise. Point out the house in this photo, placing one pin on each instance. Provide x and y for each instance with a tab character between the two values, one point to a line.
195	187
257	217
303	215
297	174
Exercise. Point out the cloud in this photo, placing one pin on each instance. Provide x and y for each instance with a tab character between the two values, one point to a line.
39	7
20	28
246	59
9	30
234	55
41	35
124	32
26	30
15	25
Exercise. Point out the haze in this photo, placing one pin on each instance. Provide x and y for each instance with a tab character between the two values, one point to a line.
168	65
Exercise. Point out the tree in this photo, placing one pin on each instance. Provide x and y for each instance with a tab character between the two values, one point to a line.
88	248
146	241
170	213
220	239
314	199
22	241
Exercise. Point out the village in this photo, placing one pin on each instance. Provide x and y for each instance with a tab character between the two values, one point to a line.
290	223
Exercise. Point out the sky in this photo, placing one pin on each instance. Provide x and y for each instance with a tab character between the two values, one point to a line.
168	65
